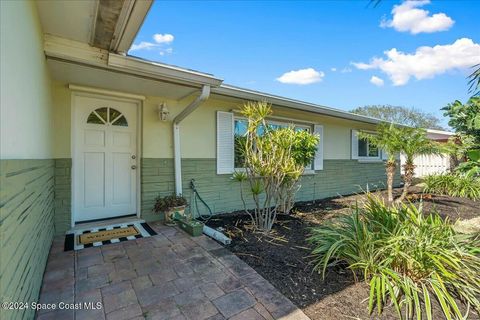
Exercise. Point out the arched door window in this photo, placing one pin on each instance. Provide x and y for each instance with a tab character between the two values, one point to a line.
107	116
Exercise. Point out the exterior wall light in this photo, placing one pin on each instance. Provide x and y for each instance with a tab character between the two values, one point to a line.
163	111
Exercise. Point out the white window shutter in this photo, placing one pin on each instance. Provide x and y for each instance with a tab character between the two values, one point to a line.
225	142
318	162
354	144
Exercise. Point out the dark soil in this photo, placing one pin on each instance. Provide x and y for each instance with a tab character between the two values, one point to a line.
283	257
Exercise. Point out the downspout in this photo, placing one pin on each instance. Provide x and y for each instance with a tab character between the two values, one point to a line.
177	154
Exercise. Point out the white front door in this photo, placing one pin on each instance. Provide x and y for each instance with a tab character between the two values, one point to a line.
105	159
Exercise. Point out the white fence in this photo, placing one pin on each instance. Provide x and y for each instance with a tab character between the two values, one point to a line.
429	164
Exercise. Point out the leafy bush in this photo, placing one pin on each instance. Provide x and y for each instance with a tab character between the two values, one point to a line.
163	204
454	185
274	160
407	257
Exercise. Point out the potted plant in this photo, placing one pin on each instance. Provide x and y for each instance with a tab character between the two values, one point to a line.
170	205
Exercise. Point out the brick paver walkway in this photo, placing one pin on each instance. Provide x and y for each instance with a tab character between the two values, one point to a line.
168	276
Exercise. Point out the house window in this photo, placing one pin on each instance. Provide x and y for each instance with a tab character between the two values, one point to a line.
107	116
362	149
240	130
367	150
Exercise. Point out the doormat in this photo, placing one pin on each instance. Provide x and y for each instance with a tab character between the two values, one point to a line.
91	237
95	237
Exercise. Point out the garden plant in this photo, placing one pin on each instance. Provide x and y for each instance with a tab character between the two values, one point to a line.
409	259
388	137
455	185
274	160
414	143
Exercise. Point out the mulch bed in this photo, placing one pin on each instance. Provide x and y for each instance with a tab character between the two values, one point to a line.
283	257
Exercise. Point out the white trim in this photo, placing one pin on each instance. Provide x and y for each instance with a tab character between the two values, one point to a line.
80	52
232	91
177	159
132	25
73	127
159	70
238	114
105	92
319	155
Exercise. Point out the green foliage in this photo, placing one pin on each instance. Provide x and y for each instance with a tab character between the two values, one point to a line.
407	257
274	161
163	204
454	185
474	80
400	115
389	138
465	118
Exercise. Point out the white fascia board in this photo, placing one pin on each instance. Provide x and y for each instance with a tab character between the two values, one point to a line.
75	51
236	92
447	133
79	52
161	71
130	22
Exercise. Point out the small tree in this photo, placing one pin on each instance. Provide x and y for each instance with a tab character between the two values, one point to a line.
414	143
465	118
274	160
388	138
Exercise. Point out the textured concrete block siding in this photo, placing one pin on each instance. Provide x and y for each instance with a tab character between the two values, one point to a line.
26	230
63	195
222	194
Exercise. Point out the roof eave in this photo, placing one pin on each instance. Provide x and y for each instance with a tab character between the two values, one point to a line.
237	92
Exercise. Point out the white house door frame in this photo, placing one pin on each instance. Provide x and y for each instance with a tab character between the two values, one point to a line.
105	159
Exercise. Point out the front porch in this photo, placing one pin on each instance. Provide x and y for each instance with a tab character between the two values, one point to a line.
167	276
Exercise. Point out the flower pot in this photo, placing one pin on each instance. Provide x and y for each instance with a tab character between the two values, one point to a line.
170	215
192	227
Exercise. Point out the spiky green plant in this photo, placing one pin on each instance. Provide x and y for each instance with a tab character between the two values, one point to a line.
408	258
387	137
414	143
274	160
454	185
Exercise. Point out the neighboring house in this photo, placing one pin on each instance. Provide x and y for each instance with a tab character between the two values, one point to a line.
89	133
432	163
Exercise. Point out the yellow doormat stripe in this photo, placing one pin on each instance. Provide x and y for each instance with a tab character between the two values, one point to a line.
100	236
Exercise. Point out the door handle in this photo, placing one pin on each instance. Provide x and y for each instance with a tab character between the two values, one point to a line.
134	167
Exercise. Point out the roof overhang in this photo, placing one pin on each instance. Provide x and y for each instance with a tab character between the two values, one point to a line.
84	54
104	24
236	92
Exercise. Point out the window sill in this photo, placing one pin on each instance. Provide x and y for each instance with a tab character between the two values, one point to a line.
370	160
308	172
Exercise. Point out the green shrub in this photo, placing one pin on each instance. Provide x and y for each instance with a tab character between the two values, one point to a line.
453	185
407	257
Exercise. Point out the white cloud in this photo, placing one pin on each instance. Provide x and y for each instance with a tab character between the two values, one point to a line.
302	76
160	41
333	69
346	70
426	62
408	17
144	45
377	81
165	51
163	38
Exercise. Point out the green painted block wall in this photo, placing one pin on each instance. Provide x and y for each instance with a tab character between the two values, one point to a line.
63	195
339	177
26	230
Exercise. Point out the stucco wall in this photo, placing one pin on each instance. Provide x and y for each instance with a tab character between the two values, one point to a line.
26	113
198	130
27	170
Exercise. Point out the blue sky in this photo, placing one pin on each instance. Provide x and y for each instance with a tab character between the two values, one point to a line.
329	46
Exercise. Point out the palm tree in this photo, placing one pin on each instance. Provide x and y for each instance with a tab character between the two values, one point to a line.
414	143
388	137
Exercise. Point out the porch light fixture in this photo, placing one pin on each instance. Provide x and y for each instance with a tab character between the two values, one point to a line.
163	111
